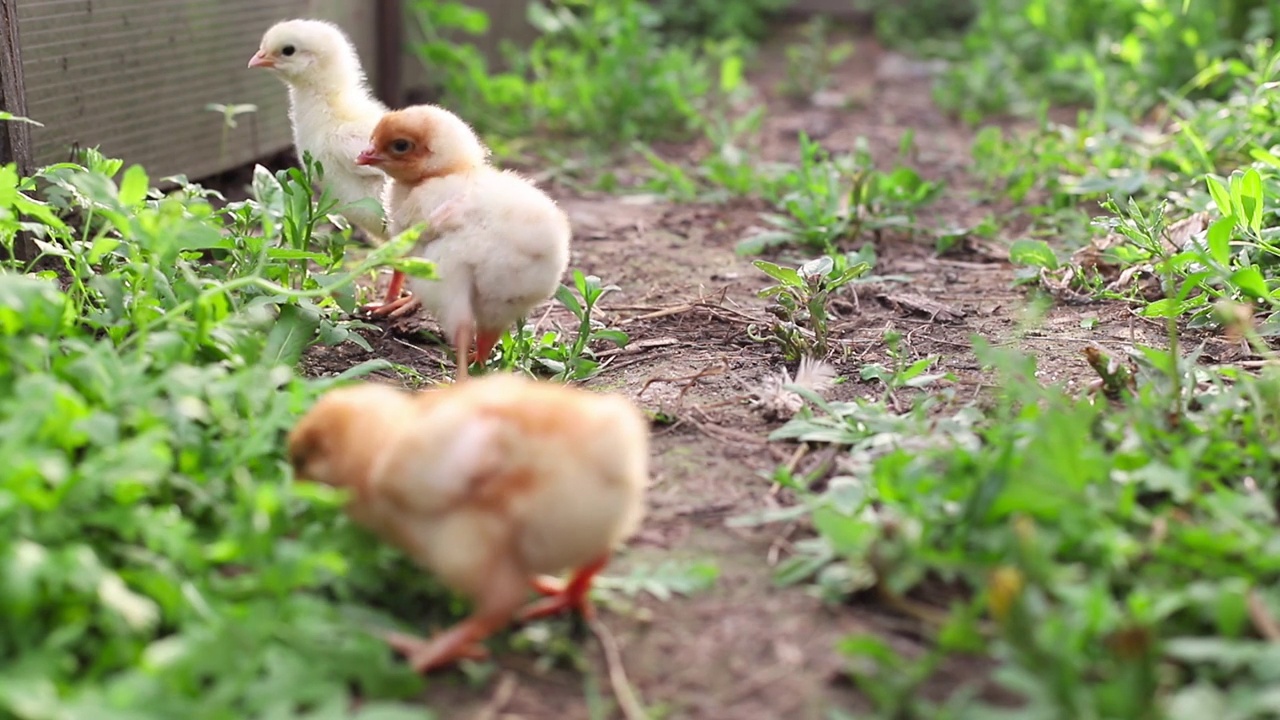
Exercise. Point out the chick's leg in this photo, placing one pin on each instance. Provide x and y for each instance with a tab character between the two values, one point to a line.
496	603
463	334
462	641
485	341
394	306
573	596
547	585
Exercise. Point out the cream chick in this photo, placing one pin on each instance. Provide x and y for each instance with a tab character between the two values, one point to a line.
500	244
333	113
492	485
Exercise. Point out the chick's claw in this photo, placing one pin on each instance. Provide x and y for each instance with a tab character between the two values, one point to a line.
393	309
547	585
573	596
425	655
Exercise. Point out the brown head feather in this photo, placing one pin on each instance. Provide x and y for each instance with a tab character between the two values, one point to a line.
423	142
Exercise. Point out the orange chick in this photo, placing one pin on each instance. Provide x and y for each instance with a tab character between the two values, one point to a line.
492	485
500	244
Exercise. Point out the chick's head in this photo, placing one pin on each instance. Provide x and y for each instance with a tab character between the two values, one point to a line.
422	142
337	442
306	52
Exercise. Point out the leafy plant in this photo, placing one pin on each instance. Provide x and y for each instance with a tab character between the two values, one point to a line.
229	113
1017	52
801	300
719	18
158	563
565	359
600	71
811	62
905	373
1105	555
827	200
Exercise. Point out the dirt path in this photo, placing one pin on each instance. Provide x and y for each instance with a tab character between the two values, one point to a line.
746	649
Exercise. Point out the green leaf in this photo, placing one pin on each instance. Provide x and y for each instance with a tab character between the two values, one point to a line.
1250	282
1218	239
415	267
567	298
1251	199
6	116
134	186
785	275
1221	196
293	331
617	337
29	303
731	74
1035	253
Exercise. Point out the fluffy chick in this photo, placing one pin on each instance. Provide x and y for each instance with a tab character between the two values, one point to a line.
499	243
332	112
489	484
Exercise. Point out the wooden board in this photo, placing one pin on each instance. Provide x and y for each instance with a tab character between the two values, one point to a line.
135	76
15	137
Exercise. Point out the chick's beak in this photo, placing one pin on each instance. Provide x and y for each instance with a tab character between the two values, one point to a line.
370	156
262	60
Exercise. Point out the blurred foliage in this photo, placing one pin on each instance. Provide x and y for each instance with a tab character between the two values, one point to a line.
1018	52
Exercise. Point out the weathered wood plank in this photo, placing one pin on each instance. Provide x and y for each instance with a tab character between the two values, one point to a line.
390	33
15	137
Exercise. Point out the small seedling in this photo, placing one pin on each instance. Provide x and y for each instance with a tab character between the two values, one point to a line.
801	300
229	114
827	200
905	373
552	351
811	62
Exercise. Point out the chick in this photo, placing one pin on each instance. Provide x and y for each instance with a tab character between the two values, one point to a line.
490	484
332	112
500	244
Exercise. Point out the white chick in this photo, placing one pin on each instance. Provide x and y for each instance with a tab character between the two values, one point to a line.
333	113
500	244
490	485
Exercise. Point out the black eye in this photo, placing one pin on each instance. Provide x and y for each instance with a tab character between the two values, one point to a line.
288	50
400	147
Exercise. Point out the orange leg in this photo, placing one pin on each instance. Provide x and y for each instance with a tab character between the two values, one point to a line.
462	337
393	306
485	341
572	597
547	585
394	287
462	641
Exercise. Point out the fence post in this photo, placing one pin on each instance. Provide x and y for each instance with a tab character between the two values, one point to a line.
15	137
389	23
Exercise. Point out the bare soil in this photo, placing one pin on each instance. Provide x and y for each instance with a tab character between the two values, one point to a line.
747	649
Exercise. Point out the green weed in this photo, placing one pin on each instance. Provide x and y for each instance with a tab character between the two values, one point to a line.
828	200
812	60
1113	558
158	561
566	357
598	71
801	300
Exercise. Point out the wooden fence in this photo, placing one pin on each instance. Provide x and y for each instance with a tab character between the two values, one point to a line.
138	77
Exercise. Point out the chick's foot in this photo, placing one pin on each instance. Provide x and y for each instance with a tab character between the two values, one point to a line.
393	309
573	596
425	655
547	585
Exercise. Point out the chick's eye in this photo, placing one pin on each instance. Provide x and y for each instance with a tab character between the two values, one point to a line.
288	50
401	146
